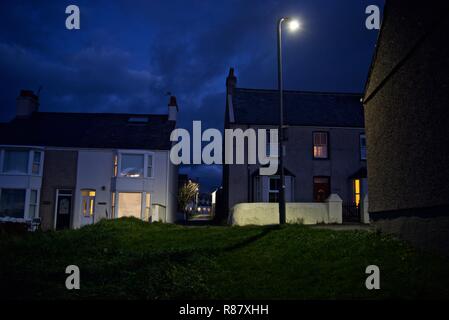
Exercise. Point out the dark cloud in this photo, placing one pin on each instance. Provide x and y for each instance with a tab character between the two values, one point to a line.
128	55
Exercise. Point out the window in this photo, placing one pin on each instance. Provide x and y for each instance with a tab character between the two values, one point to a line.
131	165
15	161
147	207
272	146
357	192
113	205
321	188
149	166
320	145
88	202
115	165
33	205
273	191
130	205
362	147
12	203
35	169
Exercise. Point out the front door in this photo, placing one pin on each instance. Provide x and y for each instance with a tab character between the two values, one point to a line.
63	210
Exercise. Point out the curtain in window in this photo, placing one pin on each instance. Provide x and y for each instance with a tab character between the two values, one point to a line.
15	161
12	203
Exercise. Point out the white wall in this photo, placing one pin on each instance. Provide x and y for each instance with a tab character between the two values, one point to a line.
95	168
305	213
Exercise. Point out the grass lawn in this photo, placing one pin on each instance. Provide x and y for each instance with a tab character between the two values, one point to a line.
131	259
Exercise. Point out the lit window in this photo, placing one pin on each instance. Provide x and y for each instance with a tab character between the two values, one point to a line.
131	165
150	165
147	207
130	205
36	162
15	161
33	204
357	192
273	192
115	165
362	147
12	203
88	202
113	204
320	145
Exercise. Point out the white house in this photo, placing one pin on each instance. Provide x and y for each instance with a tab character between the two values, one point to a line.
73	169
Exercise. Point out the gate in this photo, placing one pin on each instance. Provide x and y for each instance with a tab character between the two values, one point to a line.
351	212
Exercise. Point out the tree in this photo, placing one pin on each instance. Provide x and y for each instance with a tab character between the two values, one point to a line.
187	193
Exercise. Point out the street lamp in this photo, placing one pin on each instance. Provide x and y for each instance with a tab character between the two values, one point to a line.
293	25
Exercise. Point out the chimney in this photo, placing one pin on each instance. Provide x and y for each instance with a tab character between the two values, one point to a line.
26	103
172	109
231	81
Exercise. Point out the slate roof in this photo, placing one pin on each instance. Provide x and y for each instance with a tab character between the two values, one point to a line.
88	130
261	107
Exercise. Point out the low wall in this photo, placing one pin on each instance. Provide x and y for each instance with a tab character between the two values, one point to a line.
305	213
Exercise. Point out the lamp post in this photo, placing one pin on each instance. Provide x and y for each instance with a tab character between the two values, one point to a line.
293	25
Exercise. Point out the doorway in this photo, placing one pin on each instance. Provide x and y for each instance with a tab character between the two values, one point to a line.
63	210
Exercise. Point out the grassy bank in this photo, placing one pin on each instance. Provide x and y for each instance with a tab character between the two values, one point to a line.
134	260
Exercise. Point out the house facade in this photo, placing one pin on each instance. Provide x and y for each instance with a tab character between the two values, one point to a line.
74	169
325	150
406	106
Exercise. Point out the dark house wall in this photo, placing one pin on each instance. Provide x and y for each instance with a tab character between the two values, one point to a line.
60	168
406	118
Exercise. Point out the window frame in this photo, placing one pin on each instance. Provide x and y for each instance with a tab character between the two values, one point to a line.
327	145
273	190
313	186
2	169
25	210
35	204
32	162
145	155
362	135
91	208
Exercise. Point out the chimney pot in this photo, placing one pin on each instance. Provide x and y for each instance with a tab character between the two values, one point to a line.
172	109
231	81
26	103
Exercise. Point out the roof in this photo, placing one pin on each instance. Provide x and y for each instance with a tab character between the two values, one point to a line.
261	107
89	130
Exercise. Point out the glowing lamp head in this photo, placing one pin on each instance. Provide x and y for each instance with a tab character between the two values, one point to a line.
294	25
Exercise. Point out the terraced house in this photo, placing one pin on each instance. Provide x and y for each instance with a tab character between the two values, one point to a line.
73	169
325	149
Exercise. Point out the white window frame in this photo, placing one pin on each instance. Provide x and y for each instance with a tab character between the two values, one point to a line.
30	151
142	202
145	155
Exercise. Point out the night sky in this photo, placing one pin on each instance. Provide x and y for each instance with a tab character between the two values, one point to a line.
129	54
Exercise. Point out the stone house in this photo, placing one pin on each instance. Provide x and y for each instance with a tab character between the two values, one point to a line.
325	150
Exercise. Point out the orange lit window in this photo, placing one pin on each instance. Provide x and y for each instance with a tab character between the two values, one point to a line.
115	166
357	192
320	145
88	202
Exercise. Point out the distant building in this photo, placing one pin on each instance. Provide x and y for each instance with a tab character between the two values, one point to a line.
407	124
325	151
73	169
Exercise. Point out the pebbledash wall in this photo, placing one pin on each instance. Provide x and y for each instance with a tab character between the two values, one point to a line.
329	212
406	104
